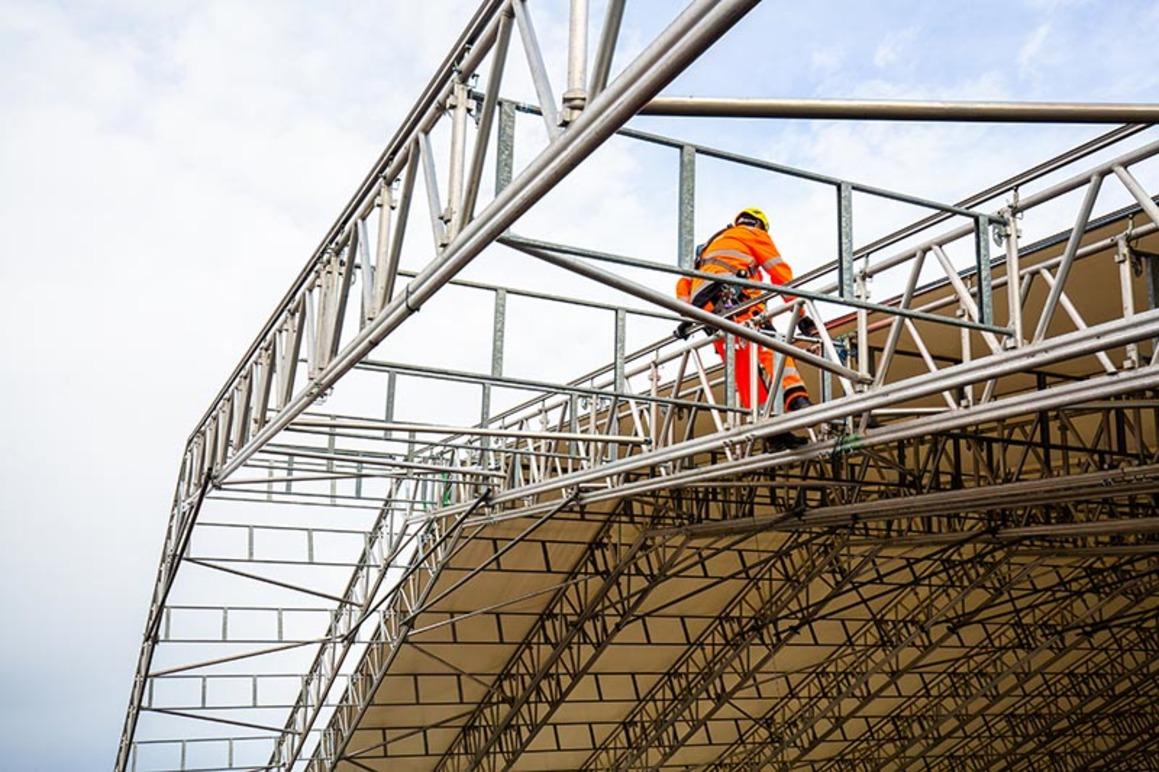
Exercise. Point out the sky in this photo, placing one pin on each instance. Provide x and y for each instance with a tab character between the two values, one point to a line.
168	167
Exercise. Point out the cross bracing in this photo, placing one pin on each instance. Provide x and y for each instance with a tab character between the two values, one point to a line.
620	571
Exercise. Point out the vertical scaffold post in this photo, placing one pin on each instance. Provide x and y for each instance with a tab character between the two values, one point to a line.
497	332
686	228
754	370
505	150
730	373
966	398
621	384
382	282
573	406
845	240
576	95
1013	277
862	340
1151	273
388	407
1127	295
982	269
498	329
453	214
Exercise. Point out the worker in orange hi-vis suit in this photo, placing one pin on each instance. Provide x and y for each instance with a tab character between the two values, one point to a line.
744	249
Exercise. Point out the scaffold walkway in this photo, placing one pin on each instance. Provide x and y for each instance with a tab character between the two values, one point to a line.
958	569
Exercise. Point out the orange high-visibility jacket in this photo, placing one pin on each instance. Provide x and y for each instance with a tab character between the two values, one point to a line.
739	250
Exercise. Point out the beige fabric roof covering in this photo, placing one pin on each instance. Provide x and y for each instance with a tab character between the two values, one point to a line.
608	635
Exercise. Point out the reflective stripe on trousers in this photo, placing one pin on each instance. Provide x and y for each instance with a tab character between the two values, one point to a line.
791	383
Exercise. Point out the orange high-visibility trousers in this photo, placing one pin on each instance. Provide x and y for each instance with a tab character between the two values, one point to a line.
791	383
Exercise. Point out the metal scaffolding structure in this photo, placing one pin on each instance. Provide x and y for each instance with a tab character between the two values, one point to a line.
621	571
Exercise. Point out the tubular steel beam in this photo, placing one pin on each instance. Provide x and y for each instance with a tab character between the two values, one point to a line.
475	34
685	309
891	110
1115	482
658	64
1063	347
524	244
606	49
695	29
981	565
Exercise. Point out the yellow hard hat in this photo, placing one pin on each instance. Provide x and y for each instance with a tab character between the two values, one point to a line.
753	213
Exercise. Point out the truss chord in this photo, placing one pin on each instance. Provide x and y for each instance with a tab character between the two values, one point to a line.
965	586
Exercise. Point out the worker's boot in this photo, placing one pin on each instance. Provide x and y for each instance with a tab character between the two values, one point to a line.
798	402
784	441
788	440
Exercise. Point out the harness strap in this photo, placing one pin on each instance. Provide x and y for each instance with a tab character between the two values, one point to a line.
744	257
727	266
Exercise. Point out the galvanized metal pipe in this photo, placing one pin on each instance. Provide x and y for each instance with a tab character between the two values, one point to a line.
1053	398
899	110
431	184
686	309
1012	183
1025	204
539	76
1072	245
693	31
602	66
1145	201
383	270
487	116
475	39
576	95
344	423
523	244
454	212
1027	272
1102	337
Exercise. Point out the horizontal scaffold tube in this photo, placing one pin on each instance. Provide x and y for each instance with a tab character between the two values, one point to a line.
685	309
651	71
1105	336
898	110
1073	393
1139	480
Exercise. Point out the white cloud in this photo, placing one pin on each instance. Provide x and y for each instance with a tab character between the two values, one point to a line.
826	60
892	49
1033	48
169	167
1052	6
166	172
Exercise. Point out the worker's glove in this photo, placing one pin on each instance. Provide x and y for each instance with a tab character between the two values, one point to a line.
807	327
683	330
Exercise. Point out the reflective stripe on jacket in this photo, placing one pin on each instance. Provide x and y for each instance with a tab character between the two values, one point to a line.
739	250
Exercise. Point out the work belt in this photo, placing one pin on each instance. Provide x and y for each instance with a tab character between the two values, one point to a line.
720	298
724	297
710	294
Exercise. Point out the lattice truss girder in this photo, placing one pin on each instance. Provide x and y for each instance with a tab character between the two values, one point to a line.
623	571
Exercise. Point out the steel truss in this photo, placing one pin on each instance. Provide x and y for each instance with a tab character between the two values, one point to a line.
958	570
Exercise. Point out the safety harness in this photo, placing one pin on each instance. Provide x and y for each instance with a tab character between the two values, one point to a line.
715	296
